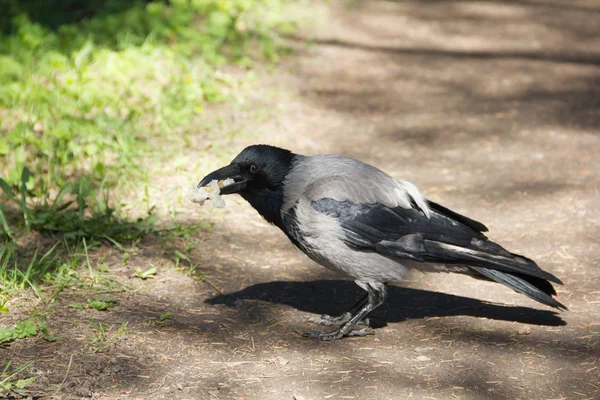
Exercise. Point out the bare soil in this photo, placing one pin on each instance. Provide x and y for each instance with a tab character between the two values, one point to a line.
491	108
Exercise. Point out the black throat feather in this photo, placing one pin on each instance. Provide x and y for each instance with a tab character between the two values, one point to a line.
267	202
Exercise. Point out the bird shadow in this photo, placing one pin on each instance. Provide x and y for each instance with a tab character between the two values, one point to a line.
334	297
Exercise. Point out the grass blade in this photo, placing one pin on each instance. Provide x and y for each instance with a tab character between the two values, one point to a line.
87	260
25	175
6	378
114	242
61	193
5	226
8	191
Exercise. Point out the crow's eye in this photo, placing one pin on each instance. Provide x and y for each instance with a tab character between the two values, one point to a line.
254	168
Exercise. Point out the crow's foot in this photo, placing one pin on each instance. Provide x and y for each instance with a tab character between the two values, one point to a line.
328	320
320	335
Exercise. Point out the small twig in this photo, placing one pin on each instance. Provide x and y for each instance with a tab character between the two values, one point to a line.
67	374
213	285
160	386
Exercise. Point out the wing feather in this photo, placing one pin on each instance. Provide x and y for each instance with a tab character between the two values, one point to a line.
410	234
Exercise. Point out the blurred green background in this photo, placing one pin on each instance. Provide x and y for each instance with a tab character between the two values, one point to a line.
89	90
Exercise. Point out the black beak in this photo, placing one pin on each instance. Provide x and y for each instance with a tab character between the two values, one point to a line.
231	171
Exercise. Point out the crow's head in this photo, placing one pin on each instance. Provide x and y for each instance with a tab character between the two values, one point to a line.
258	173
257	167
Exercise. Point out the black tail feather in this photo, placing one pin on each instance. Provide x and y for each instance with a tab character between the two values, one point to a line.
471	223
536	288
539	283
486	254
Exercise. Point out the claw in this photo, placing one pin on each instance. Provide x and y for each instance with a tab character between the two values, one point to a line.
338	334
321	335
340	320
362	332
328	320
347	322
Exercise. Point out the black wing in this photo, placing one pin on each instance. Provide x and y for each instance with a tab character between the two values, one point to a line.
444	237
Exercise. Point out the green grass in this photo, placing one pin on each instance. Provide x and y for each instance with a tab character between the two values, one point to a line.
11	384
86	99
70	223
105	336
90	94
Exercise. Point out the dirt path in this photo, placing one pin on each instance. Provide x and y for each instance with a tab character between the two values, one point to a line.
492	108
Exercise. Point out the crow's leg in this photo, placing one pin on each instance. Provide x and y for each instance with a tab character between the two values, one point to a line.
340	320
377	293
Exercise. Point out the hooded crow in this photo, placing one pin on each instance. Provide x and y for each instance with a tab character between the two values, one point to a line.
354	218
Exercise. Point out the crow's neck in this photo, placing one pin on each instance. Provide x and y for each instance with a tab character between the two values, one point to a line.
267	202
